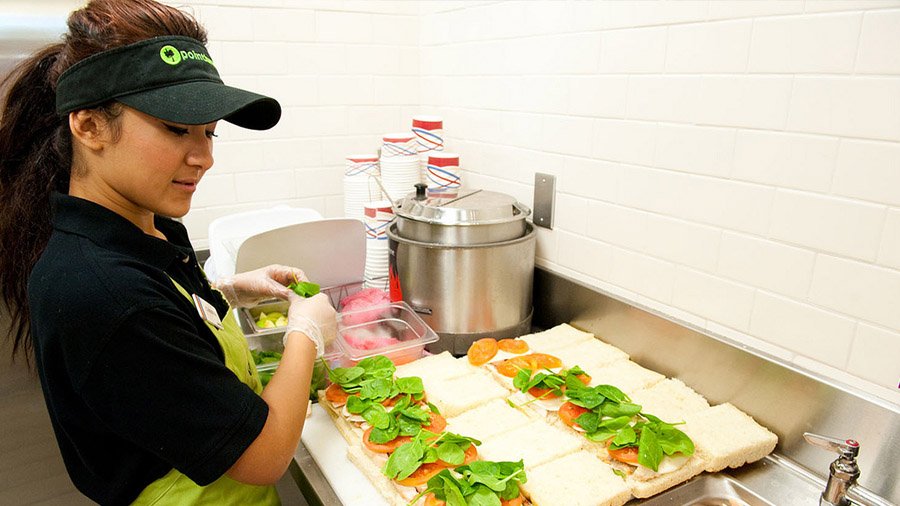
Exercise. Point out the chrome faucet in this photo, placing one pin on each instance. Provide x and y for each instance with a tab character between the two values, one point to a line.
841	488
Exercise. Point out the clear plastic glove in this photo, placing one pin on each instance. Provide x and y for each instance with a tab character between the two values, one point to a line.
314	317
251	287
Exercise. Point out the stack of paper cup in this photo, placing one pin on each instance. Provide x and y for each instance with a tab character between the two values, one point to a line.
429	131
399	164
360	185
378	216
443	175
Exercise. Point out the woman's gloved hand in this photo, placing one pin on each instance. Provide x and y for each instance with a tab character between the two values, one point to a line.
251	287
314	317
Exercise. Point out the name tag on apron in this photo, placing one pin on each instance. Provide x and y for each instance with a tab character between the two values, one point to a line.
207	311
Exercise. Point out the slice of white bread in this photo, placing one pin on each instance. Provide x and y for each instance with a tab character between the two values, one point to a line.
556	337
593	353
670	400
624	374
576	479
488	420
725	436
646	483
455	396
535	443
394	493
351	432
436	367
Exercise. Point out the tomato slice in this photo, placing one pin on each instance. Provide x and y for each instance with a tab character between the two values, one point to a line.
545	361
569	412
514	502
388	447
584	378
516	346
336	395
438	424
544	393
431	500
511	366
628	455
482	351
421	475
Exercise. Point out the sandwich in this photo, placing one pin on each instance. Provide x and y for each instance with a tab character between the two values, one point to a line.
369	396
727	437
670	399
457	395
535	443
405	472
624	374
556	337
651	454
590	354
488	420
480	482
576	479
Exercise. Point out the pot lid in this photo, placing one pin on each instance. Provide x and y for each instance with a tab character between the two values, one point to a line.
473	207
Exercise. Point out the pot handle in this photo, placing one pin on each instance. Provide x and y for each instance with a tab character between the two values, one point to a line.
522	208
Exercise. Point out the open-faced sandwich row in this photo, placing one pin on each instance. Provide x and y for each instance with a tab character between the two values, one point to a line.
653	431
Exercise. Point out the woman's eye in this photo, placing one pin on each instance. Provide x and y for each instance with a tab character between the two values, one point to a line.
210	134
176	130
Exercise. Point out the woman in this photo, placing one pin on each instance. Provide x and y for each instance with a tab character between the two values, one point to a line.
150	386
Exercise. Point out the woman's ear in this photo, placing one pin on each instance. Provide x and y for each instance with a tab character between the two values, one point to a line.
89	129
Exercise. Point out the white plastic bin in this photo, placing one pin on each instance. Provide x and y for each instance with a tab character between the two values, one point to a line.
227	233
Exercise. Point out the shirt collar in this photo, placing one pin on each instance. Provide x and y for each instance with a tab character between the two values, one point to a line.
109	230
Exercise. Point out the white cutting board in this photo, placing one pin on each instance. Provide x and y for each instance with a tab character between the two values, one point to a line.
331	252
329	450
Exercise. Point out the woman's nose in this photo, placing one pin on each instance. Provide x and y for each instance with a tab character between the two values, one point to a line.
200	154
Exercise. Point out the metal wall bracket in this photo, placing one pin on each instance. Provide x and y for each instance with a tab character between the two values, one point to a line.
544	199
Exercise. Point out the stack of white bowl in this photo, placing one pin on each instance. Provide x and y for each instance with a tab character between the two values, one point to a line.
360	184
399	164
378	216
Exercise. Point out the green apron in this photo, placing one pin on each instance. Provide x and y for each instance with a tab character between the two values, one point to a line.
176	488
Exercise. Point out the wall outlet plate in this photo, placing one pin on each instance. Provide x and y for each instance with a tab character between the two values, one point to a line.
544	199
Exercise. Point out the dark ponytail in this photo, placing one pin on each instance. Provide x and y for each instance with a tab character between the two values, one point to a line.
36	144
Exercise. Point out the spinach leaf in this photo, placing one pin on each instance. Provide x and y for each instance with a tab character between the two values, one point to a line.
649	452
614	410
345	375
389	433
404	460
377	389
355	405
304	288
673	440
376	415
624	437
612	393
410	385
451	453
588	421
483	496
378	366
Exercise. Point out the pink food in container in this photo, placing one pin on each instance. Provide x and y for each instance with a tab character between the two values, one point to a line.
366	298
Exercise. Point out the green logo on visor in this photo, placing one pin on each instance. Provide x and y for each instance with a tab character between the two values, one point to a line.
170	55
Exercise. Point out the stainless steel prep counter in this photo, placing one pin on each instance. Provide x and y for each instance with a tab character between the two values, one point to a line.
787	400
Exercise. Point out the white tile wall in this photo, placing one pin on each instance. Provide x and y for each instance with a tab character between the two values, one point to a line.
732	163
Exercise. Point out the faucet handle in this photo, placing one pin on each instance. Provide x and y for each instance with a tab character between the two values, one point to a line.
846	448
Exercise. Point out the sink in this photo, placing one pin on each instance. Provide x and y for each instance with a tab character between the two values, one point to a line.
772	481
708	490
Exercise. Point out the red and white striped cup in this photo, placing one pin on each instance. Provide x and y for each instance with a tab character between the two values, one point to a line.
443	175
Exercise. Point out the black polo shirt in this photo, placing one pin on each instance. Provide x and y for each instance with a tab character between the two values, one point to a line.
134	380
